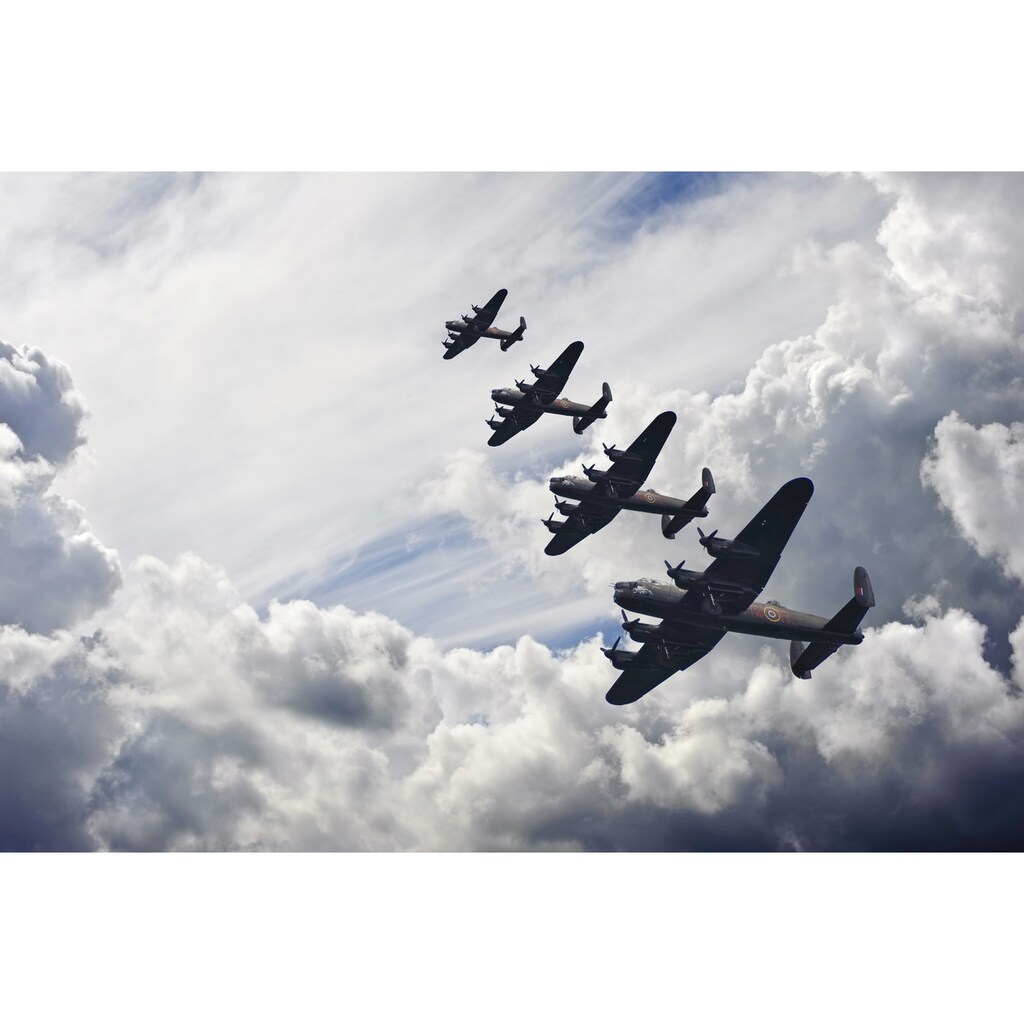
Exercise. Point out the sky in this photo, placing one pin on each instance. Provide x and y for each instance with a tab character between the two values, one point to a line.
151	702
267	588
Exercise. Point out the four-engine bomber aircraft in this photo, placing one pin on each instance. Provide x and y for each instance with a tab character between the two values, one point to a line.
531	401
467	331
606	492
699	608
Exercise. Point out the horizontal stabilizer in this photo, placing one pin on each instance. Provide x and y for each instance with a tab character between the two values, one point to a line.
696	506
803	658
596	411
846	620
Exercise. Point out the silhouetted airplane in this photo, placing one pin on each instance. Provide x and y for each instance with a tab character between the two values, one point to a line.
605	492
531	401
719	600
467	331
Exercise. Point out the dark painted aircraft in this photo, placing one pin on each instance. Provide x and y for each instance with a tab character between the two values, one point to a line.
471	328
531	401
605	492
698	608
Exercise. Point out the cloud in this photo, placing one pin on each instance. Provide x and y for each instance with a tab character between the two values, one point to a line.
274	341
852	404
978	474
57	732
56	571
192	716
39	403
197	725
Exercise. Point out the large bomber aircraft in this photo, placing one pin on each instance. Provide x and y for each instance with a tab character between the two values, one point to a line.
470	328
531	401
605	492
698	608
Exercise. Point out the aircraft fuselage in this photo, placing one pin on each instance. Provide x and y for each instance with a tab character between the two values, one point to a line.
461	327
641	501
559	407
665	601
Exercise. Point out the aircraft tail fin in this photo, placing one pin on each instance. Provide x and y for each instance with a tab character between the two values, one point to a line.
596	411
671	525
515	336
846	620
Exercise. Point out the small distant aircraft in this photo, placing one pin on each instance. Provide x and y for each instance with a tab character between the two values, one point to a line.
698	608
467	331
531	401
604	493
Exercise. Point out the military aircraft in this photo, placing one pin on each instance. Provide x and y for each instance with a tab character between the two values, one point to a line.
698	608
605	492
531	401
468	330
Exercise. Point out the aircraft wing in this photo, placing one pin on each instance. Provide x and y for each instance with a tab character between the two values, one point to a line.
464	340
745	576
551	381
629	471
518	419
482	320
682	646
585	519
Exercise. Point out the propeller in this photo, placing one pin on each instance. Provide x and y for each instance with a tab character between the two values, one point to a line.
672	572
476	309
586	468
628	624
609	652
536	370
522	385
704	538
608	450
490	422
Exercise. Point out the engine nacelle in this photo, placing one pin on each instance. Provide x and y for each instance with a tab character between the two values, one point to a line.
682	578
551	524
619	659
566	507
596	475
716	546
641	631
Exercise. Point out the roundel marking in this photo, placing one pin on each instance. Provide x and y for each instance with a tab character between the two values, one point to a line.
772	615
563	403
649	497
